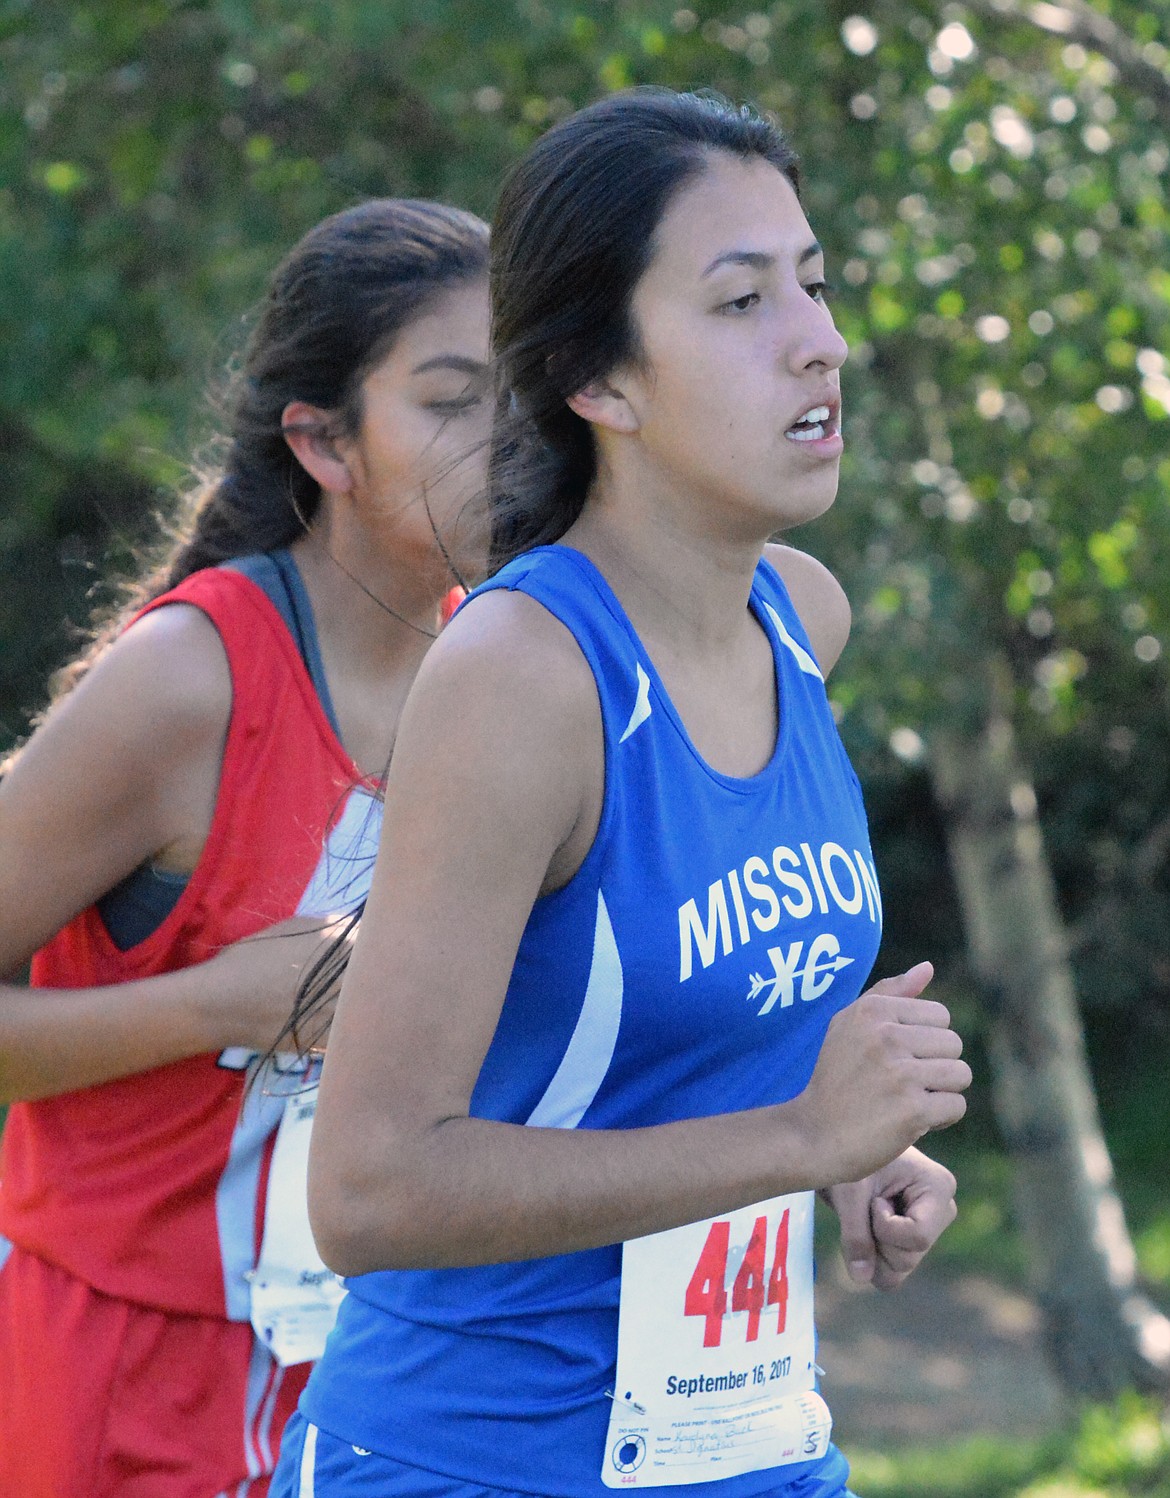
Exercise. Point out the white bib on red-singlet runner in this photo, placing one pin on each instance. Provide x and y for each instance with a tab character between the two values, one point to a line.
294	1296
716	1367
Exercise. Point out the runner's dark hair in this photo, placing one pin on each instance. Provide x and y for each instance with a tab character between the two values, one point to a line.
332	310
573	234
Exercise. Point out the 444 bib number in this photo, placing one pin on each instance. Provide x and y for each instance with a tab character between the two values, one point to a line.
754	1287
715	1370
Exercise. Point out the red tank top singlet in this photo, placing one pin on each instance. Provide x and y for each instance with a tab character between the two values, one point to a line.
151	1188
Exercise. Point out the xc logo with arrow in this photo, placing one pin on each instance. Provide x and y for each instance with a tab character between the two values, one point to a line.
820	967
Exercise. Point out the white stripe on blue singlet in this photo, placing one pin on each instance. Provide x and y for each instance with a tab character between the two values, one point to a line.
641	704
307	1486
590	1050
803	659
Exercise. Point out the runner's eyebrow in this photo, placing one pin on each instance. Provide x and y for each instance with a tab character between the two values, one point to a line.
451	361
757	259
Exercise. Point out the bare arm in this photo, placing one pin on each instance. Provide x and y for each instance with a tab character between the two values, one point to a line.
818	598
80	1037
124	769
498	752
890	1219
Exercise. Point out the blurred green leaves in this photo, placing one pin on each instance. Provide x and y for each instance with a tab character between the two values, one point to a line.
991	183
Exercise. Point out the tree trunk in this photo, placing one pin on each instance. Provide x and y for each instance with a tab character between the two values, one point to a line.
1102	1334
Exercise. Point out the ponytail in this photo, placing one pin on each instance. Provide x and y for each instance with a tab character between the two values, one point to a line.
333	308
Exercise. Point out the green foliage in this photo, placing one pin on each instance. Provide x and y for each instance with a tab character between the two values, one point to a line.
1130	1082
1117	1451
979	1468
993	195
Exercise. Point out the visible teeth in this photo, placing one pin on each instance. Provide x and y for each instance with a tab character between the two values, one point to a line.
811	426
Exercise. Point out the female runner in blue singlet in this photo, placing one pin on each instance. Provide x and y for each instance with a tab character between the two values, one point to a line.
604	1032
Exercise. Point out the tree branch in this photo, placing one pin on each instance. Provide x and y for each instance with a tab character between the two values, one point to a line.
1144	862
1077	21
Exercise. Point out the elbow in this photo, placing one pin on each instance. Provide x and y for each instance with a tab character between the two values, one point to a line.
362	1224
340	1216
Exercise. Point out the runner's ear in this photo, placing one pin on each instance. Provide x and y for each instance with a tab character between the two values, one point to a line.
604	404
308	432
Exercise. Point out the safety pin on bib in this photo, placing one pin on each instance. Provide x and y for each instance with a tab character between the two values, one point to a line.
630	1404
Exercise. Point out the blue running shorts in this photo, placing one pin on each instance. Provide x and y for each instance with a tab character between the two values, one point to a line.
314	1464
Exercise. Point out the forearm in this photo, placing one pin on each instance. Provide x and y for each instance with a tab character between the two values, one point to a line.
58	1040
473	1191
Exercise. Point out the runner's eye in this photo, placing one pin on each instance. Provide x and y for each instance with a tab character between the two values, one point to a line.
455	406
741	303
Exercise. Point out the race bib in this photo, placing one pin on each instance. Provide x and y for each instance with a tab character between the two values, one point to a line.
294	1296
716	1346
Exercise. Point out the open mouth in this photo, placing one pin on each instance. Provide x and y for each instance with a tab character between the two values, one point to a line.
813	426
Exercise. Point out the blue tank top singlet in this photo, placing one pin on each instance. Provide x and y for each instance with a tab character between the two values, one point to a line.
691	967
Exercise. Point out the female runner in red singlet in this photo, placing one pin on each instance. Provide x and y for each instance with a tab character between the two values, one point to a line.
211	774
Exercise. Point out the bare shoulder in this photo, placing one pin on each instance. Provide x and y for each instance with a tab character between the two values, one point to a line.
164	679
124	768
818	598
504	653
502	731
178	654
